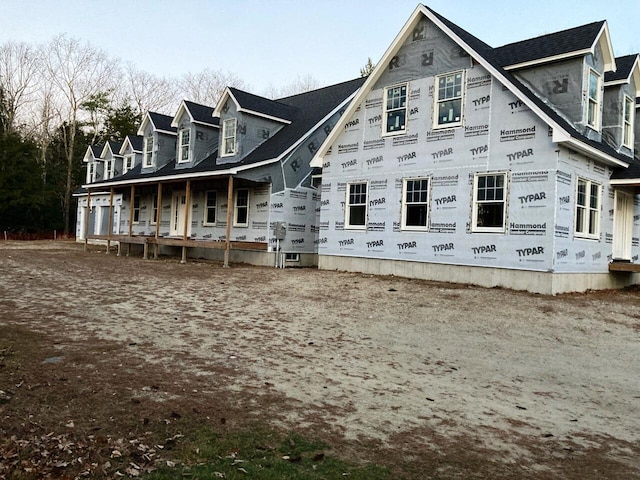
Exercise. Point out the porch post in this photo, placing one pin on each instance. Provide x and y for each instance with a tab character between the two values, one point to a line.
86	220
158	220
187	219
110	223
131	203
229	217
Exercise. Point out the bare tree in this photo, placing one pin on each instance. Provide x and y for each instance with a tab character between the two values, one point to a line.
302	83
19	75
206	87
150	92
77	71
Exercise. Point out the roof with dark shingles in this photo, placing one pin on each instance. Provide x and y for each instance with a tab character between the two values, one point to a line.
96	150
201	113
550	45
623	68
115	147
256	103
136	141
162	122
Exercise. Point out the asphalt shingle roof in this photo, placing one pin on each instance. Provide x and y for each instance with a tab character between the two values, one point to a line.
162	122
623	70
201	113
256	103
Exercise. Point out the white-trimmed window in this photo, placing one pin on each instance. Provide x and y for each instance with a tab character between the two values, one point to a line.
136	209
415	204
394	117
154	209
241	210
91	168
489	210
147	156
587	209
628	117
593	102
229	137
211	208
449	93
183	155
128	162
356	206
108	169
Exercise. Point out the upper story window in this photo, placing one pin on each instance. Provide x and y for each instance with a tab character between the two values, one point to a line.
489	208
183	156
628	116
356	206
91	168
109	169
593	103
449	100
229	143
415	204
394	117
587	209
128	162
147	155
241	214
210	209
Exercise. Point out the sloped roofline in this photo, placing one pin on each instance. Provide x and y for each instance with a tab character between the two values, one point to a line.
148	119
560	134
91	153
108	146
634	75
127	141
184	107
229	94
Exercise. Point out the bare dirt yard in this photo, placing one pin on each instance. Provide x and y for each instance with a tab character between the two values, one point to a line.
102	354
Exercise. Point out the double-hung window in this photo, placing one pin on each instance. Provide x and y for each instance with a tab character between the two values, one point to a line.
395	110
489	202
184	145
154	209
356	206
449	99
593	102
587	209
108	169
128	162
91	166
136	209
241	211
415	204
147	160
629	113
229	144
210	208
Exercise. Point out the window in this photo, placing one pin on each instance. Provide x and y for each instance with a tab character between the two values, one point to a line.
593	104
415	203
241	214
587	209
395	110
229	137
154	209
136	209
184	145
128	162
91	166
108	169
356	207
210	209
449	100
148	151
489	202
627	133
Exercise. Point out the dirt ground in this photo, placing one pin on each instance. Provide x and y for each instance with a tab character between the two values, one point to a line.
432	380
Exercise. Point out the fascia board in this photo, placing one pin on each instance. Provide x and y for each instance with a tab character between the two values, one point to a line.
607	48
631	182
143	124
167	132
593	152
264	115
88	155
198	122
554	58
368	84
167	178
181	109
225	95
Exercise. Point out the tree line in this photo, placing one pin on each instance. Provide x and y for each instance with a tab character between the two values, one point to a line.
57	98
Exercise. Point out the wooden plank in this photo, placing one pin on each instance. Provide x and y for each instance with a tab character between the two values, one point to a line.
229	215
624	267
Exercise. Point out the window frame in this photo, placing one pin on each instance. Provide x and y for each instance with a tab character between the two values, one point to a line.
629	106
437	100
237	208
207	207
154	209
386	110
226	137
147	151
348	225
130	157
596	102
184	147
406	204
91	172
587	210
476	203
136	209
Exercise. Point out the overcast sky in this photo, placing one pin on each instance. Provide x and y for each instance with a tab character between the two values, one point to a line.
271	42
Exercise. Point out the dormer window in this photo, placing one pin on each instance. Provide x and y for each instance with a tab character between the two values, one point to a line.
184	145
394	117
147	160
91	168
128	162
628	115
449	100
593	105
108	169
229	143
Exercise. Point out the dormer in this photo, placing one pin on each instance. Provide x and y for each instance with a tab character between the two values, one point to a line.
131	152
159	141
246	121
198	133
566	69
94	163
112	159
619	107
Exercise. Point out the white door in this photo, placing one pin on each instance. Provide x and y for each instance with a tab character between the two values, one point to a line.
622	225
179	214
